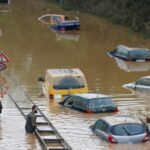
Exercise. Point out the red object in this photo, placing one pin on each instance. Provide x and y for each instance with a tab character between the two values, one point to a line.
146	138
88	111
112	139
3	58
115	110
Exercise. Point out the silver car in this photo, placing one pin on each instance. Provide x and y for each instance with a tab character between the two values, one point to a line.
141	84
121	129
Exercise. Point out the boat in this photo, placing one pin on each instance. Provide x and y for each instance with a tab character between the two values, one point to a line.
60	22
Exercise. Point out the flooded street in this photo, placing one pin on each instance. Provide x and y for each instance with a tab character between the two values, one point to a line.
33	47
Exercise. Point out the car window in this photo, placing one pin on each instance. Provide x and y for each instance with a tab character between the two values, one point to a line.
107	102
104	127
80	103
69	101
122	51
69	83
140	53
98	124
128	129
143	81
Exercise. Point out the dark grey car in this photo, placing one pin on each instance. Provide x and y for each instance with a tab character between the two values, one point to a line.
130	54
90	102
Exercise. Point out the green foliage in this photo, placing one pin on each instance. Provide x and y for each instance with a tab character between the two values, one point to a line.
134	13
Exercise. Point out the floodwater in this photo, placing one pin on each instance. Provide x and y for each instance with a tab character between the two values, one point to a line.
33	47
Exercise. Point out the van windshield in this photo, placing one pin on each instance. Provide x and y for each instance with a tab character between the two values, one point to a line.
69	82
128	129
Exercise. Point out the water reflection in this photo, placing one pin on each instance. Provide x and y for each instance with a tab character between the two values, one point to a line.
132	66
5	7
67	35
1	32
34	49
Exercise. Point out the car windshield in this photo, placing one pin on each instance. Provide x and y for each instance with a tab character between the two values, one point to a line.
99	103
69	83
128	129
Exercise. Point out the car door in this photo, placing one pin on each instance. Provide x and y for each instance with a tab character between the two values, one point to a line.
102	129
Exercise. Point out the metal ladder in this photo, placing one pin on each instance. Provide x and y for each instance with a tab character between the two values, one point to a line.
45	131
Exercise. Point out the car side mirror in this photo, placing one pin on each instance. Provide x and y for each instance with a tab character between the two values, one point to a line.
92	127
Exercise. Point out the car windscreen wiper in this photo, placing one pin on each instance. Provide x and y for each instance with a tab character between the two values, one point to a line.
126	130
107	106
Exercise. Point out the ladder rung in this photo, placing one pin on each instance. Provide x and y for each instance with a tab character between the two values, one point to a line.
45	129
41	123
51	140
57	148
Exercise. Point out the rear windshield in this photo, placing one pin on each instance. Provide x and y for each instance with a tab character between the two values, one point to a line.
128	129
69	83
99	103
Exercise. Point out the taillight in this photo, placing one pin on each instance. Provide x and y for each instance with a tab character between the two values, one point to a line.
111	139
88	111
115	110
146	138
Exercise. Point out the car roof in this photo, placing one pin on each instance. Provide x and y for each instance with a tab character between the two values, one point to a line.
91	95
130	48
65	72
146	77
121	119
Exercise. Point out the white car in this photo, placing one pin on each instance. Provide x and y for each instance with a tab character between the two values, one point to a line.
121	129
141	84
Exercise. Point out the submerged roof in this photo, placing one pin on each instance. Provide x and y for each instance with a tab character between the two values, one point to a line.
146	77
50	15
65	72
121	119
130	48
91	95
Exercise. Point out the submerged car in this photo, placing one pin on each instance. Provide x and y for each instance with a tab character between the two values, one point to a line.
141	84
60	22
63	82
90	102
121	129
130	54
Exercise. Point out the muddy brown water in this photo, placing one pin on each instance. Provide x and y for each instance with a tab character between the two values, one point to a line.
33	47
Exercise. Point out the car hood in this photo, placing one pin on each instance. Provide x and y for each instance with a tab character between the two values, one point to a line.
129	85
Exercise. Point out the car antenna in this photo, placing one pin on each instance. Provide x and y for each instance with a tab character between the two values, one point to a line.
97	91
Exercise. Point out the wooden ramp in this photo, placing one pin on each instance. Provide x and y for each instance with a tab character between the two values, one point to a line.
46	132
